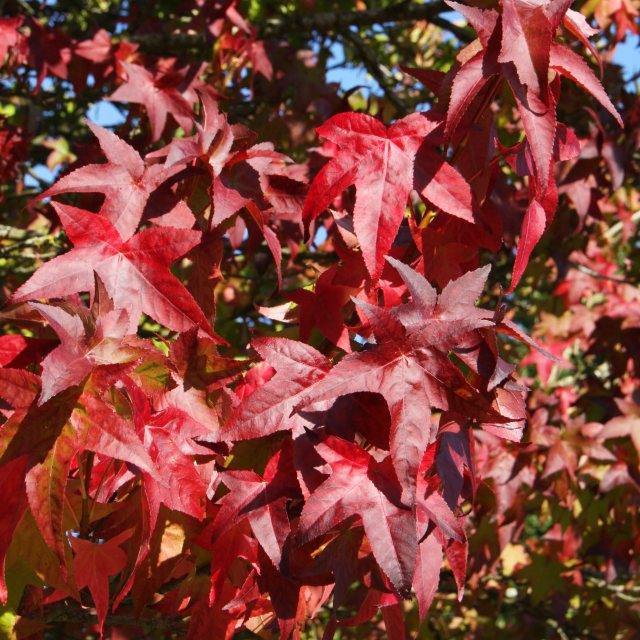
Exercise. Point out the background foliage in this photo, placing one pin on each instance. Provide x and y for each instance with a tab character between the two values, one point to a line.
145	493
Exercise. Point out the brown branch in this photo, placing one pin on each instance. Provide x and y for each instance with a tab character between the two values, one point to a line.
377	71
333	21
601	276
323	23
71	612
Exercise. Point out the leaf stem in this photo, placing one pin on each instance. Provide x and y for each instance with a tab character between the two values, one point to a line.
85	469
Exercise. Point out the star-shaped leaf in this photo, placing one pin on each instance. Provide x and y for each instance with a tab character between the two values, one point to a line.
160	94
267	410
94	563
380	163
135	272
124	180
409	364
358	485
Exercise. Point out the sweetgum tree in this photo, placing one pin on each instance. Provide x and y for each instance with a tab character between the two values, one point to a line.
282	360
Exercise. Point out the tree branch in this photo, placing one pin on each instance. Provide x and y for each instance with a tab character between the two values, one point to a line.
68	612
376	71
601	276
328	22
333	21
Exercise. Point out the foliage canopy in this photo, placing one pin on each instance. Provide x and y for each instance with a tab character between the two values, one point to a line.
283	360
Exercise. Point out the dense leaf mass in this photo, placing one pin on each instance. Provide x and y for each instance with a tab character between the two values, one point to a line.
258	373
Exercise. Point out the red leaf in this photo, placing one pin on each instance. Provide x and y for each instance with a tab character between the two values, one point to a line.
573	66
581	29
539	122
454	456
379	162
124	180
533	226
11	346
482	20
322	308
212	142
527	30
467	83
12	509
393	618
439	513
19	388
439	183
46	485
267	410
427	573
135	273
262	501
79	354
360	485
409	364
181	486
9	35
159	94
94	563
102	430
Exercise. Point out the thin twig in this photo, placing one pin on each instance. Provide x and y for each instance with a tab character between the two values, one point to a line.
601	276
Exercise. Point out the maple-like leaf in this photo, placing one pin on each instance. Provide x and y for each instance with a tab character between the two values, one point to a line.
575	67
254	177
212	142
322	308
181	487
454	455
342	559
11	346
261	179
533	226
9	35
427	573
18	388
135	272
262	500
160	95
94	563
409	364
380	163
97	49
436	527
48	50
527	31
267	410
20	433
78	423
100	429
196	371
168	437
358	485
46	485
78	353
518	44
124	180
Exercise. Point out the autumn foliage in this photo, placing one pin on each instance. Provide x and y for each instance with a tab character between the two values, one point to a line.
283	361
